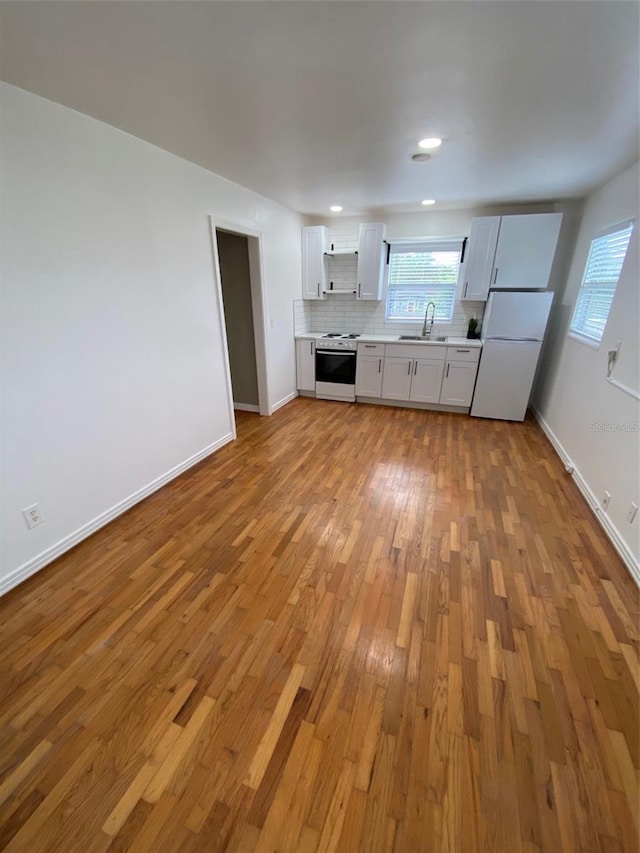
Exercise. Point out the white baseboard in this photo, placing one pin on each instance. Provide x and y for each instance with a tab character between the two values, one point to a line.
605	522
409	404
246	407
283	402
48	555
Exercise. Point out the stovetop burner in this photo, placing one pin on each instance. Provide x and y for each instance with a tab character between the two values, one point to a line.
351	335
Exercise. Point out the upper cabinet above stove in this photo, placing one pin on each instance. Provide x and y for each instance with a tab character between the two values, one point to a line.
315	243
509	253
370	259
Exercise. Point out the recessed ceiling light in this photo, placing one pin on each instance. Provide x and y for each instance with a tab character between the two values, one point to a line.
430	143
335	208
429	201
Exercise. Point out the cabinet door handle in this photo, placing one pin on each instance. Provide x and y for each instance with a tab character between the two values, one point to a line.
447	376
310	347
410	366
359	289
379	365
463	350
495	275
318	290
370	346
466	285
415	367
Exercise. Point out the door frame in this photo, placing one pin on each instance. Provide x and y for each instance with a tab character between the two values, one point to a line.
258	307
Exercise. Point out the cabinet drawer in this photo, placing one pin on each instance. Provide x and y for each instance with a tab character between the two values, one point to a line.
430	351
463	353
370	349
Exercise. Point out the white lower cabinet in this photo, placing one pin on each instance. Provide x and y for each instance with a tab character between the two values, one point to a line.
369	375
396	378
404	372
306	365
458	383
426	380
415	379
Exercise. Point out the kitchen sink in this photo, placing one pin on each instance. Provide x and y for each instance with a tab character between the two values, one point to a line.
420	338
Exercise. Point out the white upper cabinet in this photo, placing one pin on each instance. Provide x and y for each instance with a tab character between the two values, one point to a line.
509	253
315	240
477	268
371	260
525	251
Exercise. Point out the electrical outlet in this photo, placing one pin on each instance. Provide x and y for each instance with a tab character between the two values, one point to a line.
33	516
633	511
606	500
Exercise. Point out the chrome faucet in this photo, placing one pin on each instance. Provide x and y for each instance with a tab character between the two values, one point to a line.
425	333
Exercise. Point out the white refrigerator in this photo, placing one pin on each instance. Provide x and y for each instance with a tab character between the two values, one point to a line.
512	333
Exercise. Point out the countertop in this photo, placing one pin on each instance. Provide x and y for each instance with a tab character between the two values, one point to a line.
394	339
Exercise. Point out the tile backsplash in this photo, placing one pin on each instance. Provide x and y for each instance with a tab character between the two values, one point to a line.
301	316
343	313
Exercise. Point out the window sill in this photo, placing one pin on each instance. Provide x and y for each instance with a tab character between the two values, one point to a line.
584	340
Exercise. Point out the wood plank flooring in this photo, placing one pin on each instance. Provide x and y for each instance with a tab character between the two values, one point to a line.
356	628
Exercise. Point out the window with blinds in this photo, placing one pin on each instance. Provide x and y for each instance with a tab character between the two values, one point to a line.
604	264
420	273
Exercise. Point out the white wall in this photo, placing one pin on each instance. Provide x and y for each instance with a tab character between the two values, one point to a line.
113	369
573	394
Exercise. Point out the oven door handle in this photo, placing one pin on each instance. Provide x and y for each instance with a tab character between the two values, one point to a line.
335	352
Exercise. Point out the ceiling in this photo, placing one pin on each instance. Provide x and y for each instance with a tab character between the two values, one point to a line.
320	103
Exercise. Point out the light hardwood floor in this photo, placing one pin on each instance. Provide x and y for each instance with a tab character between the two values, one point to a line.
355	628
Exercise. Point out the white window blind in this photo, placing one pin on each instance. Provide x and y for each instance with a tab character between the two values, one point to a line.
604	264
420	273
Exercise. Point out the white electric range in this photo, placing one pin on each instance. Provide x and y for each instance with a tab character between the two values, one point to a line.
336	367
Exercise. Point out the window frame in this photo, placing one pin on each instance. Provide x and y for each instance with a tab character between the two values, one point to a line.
577	334
424	244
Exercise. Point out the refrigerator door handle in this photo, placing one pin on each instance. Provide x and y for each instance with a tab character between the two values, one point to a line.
513	340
